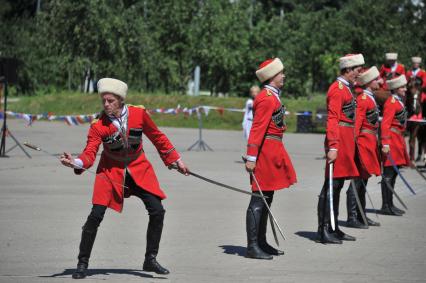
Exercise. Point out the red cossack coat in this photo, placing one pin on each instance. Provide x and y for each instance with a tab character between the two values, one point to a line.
392	131
274	169
340	130
366	125
387	74
116	160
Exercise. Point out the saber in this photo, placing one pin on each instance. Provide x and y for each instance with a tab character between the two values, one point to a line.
393	191
369	198
34	147
358	202
399	174
267	206
330	192
220	184
274	232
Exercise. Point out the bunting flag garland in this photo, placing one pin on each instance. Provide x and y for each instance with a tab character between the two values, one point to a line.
74	120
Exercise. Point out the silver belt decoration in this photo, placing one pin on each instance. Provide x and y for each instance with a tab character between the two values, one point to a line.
346	124
395	130
368	131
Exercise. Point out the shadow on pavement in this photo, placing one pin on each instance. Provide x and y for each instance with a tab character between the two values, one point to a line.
106	271
234	250
313	236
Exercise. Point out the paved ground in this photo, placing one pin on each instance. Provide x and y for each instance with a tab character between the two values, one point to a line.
43	206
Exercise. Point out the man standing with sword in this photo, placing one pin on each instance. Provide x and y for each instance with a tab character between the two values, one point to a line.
123	169
267	160
366	125
340	149
393	142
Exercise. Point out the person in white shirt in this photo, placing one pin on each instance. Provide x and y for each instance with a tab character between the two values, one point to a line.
248	114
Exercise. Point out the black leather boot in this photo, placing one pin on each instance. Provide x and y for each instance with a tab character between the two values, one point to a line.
263	244
339	233
325	233
393	207
362	192
386	197
253	216
88	236
81	271
153	237
353	211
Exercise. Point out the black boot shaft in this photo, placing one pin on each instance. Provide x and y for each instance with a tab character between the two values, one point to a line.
253	218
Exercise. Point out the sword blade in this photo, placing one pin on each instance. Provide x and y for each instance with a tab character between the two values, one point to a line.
393	191
330	192
34	147
267	206
399	174
369	198
274	232
221	184
358	202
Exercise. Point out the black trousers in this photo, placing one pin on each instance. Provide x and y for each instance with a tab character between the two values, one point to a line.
257	219
256	202
155	225
388	177
351	205
323	208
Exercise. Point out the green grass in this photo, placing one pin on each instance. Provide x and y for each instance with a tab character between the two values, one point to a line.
72	103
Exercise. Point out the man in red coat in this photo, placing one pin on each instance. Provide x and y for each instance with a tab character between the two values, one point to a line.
339	146
391	69
266	156
393	142
366	125
123	169
416	71
418	75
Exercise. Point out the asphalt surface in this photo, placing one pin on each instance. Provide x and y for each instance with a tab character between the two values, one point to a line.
43	206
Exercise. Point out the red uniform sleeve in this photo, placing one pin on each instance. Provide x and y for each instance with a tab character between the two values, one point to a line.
262	118
164	147
334	107
388	115
88	156
360	114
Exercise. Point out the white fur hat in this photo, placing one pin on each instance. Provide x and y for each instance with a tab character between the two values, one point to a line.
268	69
391	56
113	86
416	59
368	76
351	60
396	82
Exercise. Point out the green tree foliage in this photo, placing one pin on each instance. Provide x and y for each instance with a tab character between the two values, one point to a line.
155	45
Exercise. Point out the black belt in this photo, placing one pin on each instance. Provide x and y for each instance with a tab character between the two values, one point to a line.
273	137
126	159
